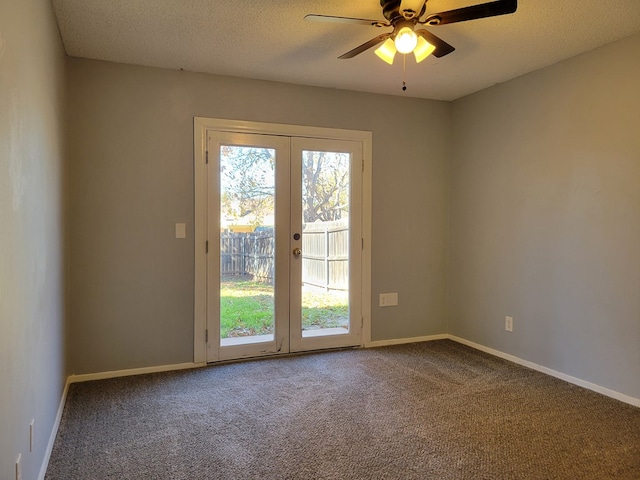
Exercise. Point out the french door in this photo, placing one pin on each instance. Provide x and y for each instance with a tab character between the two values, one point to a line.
284	244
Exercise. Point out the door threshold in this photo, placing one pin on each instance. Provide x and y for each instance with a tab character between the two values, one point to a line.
321	332
278	355
226	342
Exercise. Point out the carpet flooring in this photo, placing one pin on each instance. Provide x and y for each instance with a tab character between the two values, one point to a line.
434	410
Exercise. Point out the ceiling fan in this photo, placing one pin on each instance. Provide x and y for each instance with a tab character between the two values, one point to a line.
404	16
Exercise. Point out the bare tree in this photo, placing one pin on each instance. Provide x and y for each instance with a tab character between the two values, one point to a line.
325	186
248	183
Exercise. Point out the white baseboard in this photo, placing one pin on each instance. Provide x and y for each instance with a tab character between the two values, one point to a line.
379	343
400	341
54	433
534	366
100	376
562	376
87	377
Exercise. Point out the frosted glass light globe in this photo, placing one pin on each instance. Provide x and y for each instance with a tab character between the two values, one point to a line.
406	40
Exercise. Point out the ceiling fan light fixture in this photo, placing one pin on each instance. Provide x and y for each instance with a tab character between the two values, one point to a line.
406	40
423	49
387	51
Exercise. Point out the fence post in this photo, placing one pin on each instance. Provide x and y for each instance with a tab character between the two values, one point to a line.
326	258
243	253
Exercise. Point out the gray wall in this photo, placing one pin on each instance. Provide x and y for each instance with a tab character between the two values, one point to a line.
131	179
545	217
32	372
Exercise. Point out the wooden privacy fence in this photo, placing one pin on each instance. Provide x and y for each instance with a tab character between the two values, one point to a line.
325	255
247	254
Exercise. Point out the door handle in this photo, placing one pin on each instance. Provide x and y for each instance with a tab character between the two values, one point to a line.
297	252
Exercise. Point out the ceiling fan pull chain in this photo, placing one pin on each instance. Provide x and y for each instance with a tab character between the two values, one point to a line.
404	73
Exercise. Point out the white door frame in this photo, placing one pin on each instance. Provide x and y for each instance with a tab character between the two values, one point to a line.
202	126
298	341
282	169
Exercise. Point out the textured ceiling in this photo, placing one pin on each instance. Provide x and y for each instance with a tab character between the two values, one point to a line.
270	40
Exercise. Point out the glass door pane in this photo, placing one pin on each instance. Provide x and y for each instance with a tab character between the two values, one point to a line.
247	244
325	243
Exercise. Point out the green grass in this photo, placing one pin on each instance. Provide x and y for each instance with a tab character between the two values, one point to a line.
246	308
324	310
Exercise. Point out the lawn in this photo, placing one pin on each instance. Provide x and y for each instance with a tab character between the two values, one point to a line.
246	308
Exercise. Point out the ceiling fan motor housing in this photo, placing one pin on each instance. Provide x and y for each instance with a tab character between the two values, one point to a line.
391	10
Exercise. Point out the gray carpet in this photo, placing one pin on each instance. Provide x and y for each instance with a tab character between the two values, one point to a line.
435	410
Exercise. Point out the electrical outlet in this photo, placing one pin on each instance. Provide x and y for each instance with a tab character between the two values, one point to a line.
19	467
508	324
388	299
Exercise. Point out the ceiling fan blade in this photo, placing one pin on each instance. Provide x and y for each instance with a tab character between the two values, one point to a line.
491	9
353	21
365	46
442	47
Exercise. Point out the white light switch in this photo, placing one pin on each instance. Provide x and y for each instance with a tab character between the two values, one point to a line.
181	230
388	299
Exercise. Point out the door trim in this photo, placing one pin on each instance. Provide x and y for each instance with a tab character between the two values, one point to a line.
282	169
298	341
202	126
